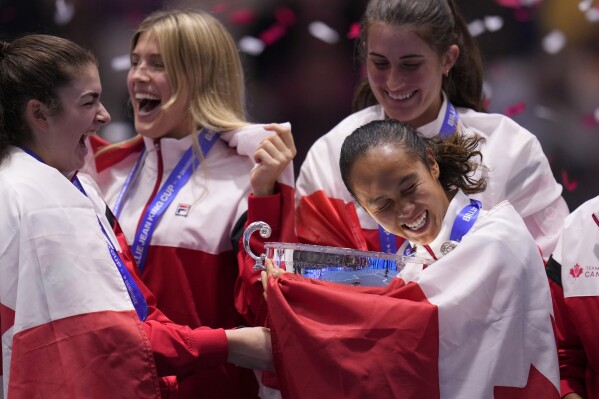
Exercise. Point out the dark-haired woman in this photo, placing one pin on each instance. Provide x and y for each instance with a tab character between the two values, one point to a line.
76	321
424	69
472	320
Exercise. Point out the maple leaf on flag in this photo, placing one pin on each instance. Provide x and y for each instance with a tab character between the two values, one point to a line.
576	271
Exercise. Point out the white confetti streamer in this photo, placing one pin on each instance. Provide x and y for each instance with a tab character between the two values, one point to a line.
322	31
251	45
476	27
592	15
546	113
64	12
585	5
121	63
493	23
554	42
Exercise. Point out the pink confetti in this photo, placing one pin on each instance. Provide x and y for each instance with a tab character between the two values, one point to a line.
242	17
589	121
285	16
515	109
523	14
220	8
568	185
517	3
354	31
272	34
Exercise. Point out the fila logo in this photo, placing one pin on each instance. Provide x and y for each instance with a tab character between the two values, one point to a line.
183	209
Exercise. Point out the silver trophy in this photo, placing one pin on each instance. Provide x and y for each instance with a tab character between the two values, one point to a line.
339	265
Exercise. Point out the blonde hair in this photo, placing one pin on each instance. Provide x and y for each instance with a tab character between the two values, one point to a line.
200	56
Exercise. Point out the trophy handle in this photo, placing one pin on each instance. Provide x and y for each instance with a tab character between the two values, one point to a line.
264	233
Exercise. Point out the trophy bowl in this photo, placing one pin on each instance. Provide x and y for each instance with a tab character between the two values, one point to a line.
339	265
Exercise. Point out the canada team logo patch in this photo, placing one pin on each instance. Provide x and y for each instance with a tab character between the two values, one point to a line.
576	271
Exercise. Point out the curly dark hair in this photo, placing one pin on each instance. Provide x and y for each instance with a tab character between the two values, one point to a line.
456	155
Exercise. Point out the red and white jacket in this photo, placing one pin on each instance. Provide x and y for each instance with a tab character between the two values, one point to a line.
517	170
573	272
68	325
196	274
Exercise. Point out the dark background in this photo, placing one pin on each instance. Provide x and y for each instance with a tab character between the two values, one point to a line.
309	82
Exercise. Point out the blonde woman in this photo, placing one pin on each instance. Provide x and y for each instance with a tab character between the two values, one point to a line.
196	173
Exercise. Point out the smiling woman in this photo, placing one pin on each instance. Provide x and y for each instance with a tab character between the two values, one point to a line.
64	308
472	321
80	114
72	303
196	173
423	68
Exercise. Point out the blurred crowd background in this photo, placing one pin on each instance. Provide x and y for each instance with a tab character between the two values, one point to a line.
541	59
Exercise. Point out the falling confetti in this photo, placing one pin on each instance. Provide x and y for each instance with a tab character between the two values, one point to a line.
554	42
487	91
476	27
568	185
251	45
493	23
590	121
592	15
517	3
121	63
272	34
285	16
220	8
322	31
515	109
354	31
542	112
596	114
585	5
242	17
64	12
523	14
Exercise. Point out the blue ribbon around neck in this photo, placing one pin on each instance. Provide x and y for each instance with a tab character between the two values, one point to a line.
165	195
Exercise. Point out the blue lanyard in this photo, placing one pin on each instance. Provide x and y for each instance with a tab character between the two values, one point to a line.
461	225
450	122
465	220
388	241
137	298
167	193
448	128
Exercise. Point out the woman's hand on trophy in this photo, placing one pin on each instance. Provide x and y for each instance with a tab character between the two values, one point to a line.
272	270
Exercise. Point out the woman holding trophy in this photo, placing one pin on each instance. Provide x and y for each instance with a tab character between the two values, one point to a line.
473	320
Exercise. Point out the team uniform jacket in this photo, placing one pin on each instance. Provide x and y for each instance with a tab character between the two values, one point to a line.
476	323
178	350
192	264
518	171
573	270
69	329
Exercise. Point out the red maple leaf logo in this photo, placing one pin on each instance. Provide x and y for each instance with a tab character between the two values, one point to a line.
576	271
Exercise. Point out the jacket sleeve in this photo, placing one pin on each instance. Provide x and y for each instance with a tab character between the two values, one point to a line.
532	189
278	212
571	355
178	350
